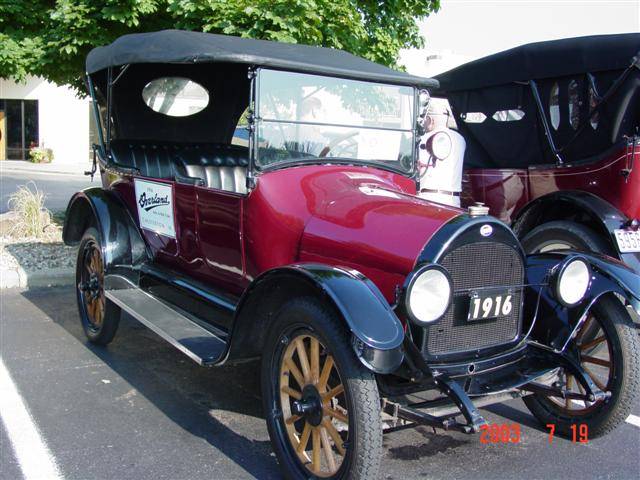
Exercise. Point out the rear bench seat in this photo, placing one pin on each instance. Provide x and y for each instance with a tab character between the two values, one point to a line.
220	166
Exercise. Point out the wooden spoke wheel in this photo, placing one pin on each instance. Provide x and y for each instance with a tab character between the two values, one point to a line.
608	348
322	403
313	405
100	317
596	358
91	284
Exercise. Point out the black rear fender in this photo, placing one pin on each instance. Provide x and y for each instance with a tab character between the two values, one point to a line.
123	248
377	333
581	207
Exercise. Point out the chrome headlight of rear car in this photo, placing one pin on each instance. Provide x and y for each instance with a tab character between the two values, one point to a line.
428	294
440	145
571	281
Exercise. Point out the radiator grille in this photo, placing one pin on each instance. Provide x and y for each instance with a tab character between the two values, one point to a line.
477	266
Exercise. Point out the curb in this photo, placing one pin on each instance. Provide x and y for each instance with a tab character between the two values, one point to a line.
71	170
19	278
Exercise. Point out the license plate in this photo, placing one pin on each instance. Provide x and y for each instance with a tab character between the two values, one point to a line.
483	305
628	240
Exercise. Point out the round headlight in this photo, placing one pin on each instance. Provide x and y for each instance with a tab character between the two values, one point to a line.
429	294
573	281
439	145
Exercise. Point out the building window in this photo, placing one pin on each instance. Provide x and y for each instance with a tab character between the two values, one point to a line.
18	128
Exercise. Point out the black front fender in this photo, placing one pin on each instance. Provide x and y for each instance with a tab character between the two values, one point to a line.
554	323
377	333
123	248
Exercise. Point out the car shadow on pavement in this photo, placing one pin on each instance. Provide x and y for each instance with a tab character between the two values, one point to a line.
521	416
200	400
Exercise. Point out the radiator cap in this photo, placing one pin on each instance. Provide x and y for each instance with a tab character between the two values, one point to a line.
478	209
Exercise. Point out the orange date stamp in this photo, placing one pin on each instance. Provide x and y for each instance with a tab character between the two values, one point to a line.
500	433
579	432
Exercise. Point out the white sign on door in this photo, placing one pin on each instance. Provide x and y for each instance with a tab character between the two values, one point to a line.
155	207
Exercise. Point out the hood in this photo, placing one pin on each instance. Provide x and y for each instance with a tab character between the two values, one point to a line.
368	220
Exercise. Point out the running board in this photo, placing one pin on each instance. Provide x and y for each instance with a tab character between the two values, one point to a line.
197	343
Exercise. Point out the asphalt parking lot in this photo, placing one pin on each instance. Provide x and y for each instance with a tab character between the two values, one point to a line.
57	187
140	409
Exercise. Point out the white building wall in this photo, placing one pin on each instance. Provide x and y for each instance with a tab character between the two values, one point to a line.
430	62
63	118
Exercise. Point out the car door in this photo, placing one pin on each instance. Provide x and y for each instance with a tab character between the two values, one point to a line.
219	217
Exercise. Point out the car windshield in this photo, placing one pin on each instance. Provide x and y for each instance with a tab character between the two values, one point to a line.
301	117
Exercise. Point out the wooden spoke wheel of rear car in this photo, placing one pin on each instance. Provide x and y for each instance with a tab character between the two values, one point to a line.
99	317
322	404
563	235
608	349
596	358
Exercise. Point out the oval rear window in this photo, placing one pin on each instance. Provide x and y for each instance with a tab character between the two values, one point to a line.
175	96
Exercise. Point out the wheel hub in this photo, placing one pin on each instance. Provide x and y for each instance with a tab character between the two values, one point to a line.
309	406
92	286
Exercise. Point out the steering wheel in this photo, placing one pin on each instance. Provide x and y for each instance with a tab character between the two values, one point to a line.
336	141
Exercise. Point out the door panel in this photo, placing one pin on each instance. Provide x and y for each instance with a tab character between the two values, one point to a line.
219	216
602	178
186	228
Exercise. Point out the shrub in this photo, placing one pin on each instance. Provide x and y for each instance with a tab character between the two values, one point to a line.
32	218
40	155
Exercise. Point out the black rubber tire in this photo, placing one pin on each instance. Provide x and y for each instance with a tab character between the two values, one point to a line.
364	450
625	388
578	236
107	330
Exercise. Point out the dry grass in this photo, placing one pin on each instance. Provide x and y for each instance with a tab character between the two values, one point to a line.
32	218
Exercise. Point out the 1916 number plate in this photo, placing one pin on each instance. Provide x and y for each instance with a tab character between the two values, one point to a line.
489	305
628	240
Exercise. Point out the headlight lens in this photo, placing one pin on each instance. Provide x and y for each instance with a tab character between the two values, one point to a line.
439	144
429	294
573	281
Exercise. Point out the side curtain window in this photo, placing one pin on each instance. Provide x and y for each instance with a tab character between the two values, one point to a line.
554	106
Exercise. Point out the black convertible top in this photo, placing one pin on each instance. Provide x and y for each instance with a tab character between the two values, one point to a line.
563	100
185	47
534	61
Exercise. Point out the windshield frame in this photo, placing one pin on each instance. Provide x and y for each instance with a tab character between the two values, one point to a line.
255	168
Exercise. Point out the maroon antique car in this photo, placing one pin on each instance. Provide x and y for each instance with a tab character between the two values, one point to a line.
553	141
309	248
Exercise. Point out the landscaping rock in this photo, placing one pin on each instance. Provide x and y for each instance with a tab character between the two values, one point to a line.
34	262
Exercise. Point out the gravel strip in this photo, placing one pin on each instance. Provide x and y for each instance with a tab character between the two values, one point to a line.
33	254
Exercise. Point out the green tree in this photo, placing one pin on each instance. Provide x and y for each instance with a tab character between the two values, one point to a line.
51	38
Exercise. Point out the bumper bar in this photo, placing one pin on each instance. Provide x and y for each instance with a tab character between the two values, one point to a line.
515	379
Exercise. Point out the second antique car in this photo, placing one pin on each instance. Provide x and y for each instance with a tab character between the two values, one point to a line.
309	248
552	132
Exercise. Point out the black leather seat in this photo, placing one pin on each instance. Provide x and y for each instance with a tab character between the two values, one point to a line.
220	166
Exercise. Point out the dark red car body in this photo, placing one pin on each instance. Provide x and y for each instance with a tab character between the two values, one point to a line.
348	216
508	191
